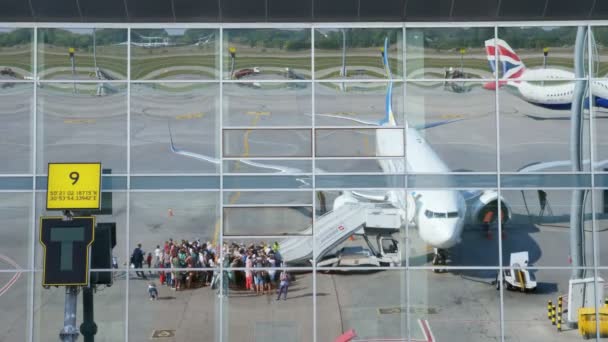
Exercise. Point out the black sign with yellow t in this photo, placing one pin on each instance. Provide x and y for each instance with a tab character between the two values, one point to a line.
66	250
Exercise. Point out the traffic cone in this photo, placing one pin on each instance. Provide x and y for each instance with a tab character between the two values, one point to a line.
170	212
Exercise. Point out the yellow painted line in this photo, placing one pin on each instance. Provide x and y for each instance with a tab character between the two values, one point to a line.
216	233
366	148
78	121
189	116
257	113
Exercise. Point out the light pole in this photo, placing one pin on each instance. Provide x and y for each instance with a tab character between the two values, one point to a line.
462	52
232	51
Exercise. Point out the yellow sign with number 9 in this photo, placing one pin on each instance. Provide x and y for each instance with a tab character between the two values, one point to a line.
73	186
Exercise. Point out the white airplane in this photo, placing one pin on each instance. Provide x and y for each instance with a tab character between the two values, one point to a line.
553	95
439	215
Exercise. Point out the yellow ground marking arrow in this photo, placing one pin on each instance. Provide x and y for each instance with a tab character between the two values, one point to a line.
189	116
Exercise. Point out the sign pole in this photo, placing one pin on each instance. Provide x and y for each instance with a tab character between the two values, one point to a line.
88	328
69	333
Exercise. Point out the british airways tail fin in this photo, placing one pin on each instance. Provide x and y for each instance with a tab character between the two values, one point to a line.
511	66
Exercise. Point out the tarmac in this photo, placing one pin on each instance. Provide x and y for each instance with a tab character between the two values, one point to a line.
459	305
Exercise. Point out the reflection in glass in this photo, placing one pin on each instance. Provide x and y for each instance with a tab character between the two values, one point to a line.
356	104
177	54
462	224
267	220
82	54
71	114
356	53
292	251
254	54
267	197
528	45
352	165
373	304
368	234
267	143
158	217
601	225
448	53
15	227
268	166
522	317
188	314
457	308
174	128
109	310
14	294
16	53
16	108
359	142
444	121
263	318
599	41
535	129
267	104
540	223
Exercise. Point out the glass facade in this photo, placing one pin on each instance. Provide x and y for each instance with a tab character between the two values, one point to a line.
385	172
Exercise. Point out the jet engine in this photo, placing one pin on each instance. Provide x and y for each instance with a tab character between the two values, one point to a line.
485	201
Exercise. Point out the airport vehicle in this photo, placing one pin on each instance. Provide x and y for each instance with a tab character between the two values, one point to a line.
555	92
517	276
379	220
246	72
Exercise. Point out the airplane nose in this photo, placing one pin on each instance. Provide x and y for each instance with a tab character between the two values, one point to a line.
444	234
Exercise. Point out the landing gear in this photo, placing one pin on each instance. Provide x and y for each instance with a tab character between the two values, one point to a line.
439	259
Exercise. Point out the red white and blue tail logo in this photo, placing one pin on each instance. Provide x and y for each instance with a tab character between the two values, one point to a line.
511	66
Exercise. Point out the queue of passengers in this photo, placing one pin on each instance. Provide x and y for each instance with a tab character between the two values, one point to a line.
259	261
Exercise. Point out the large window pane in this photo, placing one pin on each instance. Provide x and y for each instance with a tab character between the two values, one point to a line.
453	308
373	304
267	220
14	294
540	223
383	142
176	53
448	53
525	318
450	129
356	53
188	314
16	53
461	224
16	108
109	310
368	232
267	166
174	128
267	143
358	104
267	104
75	124
264	318
82	54
252	54
15	230
524	48
535	127
157	218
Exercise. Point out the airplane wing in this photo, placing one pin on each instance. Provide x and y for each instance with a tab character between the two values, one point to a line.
198	156
541	166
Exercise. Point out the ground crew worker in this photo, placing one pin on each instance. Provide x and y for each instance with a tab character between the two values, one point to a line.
487	219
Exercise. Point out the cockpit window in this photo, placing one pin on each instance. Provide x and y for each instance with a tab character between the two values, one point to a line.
432	214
